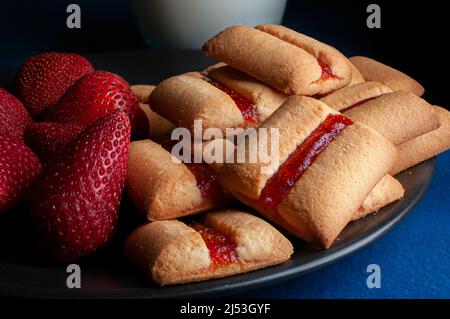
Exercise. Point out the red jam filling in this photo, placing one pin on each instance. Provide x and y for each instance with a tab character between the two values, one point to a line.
205	177
247	108
281	183
327	73
222	250
348	108
206	180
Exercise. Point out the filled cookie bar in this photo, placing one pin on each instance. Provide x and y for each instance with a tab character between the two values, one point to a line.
425	146
158	126
356	75
289	61
221	98
387	191
352	96
218	244
142	92
373	70
400	116
326	166
163	187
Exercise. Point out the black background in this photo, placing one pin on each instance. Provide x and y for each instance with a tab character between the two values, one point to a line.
413	36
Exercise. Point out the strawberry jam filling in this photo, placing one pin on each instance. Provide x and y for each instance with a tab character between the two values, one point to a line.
247	107
281	183
348	108
206	180
222	250
327	73
205	177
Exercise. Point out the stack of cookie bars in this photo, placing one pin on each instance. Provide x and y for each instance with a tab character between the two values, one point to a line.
345	128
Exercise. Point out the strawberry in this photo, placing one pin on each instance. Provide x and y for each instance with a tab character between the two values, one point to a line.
96	95
46	138
43	79
14	118
18	168
75	202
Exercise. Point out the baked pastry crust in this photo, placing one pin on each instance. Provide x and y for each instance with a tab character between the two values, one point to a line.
158	126
281	58
159	186
265	98
170	252
357	77
424	146
184	98
351	95
188	97
142	92
376	71
387	191
333	187
399	116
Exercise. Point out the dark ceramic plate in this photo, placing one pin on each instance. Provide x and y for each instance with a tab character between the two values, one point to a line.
108	275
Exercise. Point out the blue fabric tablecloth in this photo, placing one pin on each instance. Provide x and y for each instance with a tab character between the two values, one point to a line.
414	256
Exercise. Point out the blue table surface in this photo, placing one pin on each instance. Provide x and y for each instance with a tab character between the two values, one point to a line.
414	256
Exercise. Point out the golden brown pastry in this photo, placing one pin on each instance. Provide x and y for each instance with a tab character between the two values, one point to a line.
328	167
356	75
399	116
142	92
425	146
387	191
225	98
352	96
375	71
291	62
163	188
221	244
158	126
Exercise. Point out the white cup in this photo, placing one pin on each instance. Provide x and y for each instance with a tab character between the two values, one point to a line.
190	23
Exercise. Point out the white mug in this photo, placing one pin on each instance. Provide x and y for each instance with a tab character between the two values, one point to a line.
190	23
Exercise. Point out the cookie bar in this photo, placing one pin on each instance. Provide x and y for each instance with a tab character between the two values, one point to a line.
387	191
158	126
221	244
425	146
352	96
142	92
224	98
164	188
399	116
356	75
291	62
328	167
375	71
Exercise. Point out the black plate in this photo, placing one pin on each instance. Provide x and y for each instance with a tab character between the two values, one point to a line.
108	275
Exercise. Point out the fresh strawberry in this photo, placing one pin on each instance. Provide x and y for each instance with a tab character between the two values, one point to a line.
43	79
14	118
75	202
96	95
46	138
18	168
